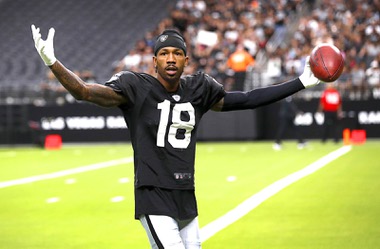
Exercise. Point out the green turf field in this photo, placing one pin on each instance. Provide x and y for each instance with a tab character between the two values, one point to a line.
338	206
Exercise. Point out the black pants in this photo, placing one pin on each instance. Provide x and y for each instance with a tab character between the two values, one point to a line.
286	123
239	81
331	126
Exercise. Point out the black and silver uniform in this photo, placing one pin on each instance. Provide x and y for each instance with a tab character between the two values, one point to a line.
163	125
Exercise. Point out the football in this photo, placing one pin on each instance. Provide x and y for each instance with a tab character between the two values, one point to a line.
326	62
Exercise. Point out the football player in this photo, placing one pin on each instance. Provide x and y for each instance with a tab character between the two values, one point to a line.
163	112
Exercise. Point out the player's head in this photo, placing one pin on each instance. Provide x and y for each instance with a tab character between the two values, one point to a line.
170	57
170	38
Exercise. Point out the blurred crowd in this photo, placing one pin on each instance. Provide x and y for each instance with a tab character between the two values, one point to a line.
274	37
281	32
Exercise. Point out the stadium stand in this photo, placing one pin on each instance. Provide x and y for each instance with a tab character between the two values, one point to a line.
97	36
91	35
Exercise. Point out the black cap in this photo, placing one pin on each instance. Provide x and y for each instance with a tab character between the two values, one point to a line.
170	38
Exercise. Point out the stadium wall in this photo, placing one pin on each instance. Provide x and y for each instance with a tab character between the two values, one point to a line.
82	122
364	114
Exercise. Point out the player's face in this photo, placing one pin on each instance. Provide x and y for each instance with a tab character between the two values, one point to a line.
170	63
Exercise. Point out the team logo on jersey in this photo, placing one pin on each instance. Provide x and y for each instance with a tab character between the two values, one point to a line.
163	38
176	97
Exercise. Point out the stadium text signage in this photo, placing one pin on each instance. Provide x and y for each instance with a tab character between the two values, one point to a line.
83	123
363	118
369	117
358	114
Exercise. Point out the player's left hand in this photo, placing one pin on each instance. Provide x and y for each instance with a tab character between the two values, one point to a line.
44	48
307	77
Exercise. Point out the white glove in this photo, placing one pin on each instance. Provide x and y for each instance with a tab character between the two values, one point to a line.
307	77
44	48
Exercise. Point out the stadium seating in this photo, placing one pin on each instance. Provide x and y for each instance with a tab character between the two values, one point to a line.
90	34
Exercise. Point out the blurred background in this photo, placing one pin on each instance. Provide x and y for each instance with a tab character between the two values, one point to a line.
96	39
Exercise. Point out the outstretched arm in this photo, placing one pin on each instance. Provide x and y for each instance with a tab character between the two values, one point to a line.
233	101
90	92
94	93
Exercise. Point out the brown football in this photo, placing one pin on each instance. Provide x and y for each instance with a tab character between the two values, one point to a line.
326	62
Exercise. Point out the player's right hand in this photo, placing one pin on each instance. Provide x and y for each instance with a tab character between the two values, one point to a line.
307	77
44	47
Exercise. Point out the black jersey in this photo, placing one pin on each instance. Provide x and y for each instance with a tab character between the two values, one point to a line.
163	125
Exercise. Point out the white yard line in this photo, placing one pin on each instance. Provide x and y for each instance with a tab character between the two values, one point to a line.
255	200
62	173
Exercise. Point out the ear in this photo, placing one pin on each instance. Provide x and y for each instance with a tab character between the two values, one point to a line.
155	61
186	61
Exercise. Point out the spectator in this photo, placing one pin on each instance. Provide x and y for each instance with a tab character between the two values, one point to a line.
274	66
130	62
239	61
373	75
357	77
52	90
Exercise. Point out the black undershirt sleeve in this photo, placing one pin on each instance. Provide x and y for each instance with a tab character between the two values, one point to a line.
262	96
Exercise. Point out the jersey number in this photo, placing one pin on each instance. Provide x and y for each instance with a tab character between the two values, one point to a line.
177	123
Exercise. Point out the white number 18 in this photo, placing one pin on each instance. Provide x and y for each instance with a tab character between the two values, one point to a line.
177	124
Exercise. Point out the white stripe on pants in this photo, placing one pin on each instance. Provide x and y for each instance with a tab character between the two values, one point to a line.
166	232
